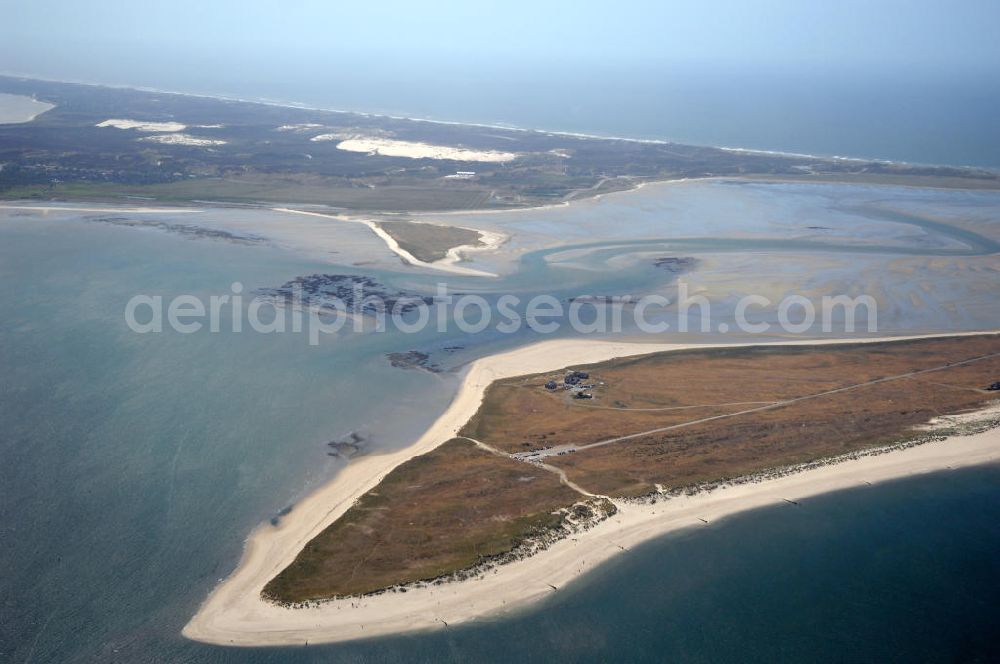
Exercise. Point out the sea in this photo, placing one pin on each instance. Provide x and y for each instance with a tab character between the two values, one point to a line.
132	467
915	115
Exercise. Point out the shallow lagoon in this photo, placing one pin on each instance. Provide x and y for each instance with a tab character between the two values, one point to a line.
135	465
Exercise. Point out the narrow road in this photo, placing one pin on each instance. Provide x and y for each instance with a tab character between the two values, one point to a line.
552	469
666	408
537	455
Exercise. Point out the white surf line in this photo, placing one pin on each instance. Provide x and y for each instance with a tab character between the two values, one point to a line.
133	210
444	265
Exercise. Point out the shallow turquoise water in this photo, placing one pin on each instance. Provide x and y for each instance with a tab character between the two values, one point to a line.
133	467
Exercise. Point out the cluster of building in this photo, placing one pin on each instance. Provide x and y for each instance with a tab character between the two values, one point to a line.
574	381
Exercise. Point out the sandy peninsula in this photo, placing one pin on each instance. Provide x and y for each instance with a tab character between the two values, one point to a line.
488	242
235	614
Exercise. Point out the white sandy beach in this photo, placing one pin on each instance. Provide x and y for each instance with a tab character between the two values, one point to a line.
488	241
235	614
448	264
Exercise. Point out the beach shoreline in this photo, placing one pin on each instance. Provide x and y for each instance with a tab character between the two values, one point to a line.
448	264
72	207
264	101
235	614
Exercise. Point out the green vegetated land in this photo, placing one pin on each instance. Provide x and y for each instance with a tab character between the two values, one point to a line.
429	242
267	156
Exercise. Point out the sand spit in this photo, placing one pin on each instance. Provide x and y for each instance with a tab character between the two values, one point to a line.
447	264
488	241
235	614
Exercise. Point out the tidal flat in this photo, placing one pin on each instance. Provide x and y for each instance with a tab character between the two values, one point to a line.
188	442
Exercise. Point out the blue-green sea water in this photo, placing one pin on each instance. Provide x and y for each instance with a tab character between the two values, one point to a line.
904	571
133	466
930	117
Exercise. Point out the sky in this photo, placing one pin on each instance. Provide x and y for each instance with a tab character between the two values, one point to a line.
914	80
48	36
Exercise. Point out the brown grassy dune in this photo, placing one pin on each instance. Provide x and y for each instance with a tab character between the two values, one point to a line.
459	504
429	242
519	414
440	512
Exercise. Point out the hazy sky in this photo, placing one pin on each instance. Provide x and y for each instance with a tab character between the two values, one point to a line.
915	80
42	36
